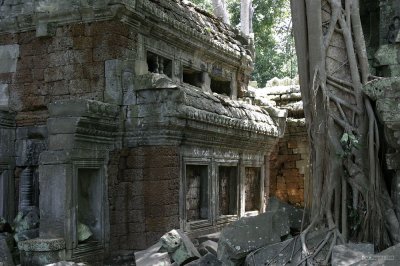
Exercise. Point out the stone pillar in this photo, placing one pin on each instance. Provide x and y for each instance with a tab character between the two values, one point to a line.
8	64
81	133
7	164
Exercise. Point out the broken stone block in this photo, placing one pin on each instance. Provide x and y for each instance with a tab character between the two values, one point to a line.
208	246
152	256
249	233
40	251
179	246
350	253
388	257
84	232
213	237
280	253
209	259
295	214
5	253
26	224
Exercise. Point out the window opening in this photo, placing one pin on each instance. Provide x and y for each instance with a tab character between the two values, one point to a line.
197	192
227	190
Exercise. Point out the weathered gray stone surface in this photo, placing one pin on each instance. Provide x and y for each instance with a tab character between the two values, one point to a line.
179	246
8	58
209	260
208	246
152	256
294	214
84	232
388	257
213	237
350	253
26	224
5	252
249	233
280	253
4	97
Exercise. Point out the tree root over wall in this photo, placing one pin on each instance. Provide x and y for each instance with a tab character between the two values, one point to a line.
349	195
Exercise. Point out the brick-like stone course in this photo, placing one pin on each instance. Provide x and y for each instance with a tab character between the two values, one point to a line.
67	65
143	189
289	164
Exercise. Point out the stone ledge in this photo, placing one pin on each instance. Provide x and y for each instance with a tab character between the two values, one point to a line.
83	108
42	245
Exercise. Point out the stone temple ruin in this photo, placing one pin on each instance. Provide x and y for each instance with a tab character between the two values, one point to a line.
122	120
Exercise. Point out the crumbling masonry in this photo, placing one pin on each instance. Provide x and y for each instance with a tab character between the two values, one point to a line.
121	120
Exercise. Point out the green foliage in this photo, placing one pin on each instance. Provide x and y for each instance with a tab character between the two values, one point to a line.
274	42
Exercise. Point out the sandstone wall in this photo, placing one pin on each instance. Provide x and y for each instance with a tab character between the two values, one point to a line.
290	165
143	193
70	64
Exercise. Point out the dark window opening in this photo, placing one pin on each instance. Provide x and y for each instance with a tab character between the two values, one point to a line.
89	205
192	77
197	192
227	190
159	64
252	189
221	86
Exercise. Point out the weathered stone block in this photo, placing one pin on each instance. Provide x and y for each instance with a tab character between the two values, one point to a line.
8	58
179	246
388	257
281	253
294	214
208	246
152	256
5	253
4	97
39	251
53	211
348	254
249	233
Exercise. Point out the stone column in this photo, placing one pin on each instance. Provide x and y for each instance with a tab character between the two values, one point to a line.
7	137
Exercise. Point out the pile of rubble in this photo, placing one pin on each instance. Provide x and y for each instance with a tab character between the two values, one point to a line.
271	238
230	247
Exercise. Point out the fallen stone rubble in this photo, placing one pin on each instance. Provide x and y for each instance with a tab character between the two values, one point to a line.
230	247
265	239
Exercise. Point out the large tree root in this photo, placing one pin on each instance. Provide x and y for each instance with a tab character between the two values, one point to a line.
349	196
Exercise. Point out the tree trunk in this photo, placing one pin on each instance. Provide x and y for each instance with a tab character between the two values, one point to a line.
220	10
349	195
244	16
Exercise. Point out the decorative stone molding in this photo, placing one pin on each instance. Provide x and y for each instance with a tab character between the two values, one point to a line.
81	133
163	105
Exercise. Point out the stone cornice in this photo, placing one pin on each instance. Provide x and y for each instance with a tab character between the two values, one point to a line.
131	12
163	105
83	108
